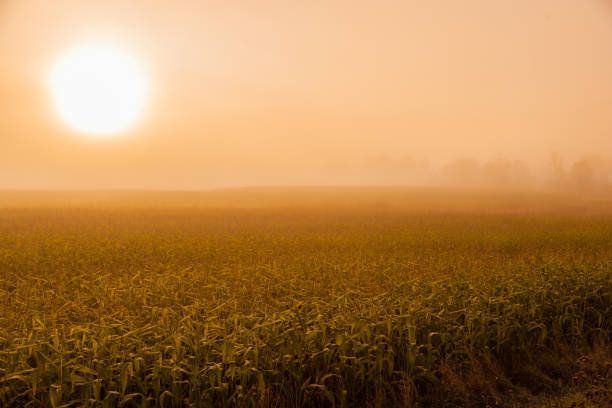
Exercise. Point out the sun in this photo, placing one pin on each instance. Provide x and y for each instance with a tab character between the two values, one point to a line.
98	89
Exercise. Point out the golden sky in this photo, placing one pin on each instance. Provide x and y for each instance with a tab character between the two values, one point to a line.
310	92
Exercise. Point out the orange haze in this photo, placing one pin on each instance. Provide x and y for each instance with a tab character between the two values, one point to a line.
316	92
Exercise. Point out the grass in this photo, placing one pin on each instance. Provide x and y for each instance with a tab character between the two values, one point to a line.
305	297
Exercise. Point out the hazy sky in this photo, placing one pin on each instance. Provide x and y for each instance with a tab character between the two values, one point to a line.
310	92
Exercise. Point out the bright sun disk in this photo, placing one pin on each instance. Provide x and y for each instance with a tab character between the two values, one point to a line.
98	89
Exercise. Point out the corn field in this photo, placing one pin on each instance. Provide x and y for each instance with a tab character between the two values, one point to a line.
278	304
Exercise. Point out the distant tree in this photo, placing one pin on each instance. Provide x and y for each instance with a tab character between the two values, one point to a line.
588	173
463	171
503	172
591	173
499	172
581	175
559	178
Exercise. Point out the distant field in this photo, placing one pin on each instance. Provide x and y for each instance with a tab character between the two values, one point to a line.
305	297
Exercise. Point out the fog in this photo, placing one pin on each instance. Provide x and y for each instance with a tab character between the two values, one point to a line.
513	93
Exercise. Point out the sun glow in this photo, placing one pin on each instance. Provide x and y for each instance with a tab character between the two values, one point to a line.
98	89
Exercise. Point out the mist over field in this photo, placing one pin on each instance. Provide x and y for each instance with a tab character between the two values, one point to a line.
510	93
589	174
